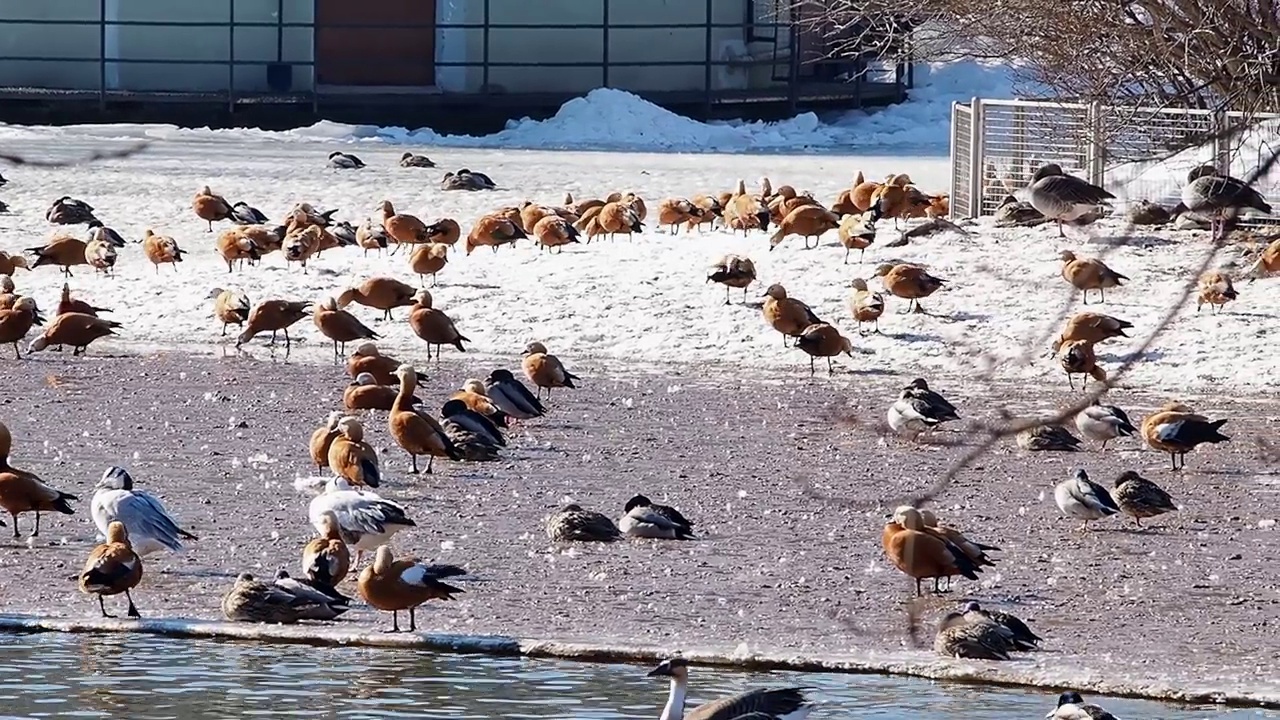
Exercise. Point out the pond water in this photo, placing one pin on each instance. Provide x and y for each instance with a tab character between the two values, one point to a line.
142	677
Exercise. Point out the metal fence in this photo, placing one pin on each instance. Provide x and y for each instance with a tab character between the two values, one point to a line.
1137	153
788	66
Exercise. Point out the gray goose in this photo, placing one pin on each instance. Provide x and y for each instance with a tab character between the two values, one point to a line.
1063	197
787	703
1221	197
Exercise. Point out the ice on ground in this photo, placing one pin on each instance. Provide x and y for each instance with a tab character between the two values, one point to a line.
611	119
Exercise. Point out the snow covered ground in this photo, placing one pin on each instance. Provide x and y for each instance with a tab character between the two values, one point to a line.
645	300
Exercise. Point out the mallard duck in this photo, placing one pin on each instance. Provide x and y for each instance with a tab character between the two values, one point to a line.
642	519
1140	498
1063	197
958	637
151	527
762	704
1176	430
918	409
1073	707
1083	498
1047	437
1104	423
308	589
1018	631
1221	197
251	600
572	523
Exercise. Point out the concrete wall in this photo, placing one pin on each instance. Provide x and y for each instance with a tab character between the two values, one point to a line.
550	44
165	46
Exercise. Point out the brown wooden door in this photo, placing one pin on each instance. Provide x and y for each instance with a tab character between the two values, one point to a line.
394	55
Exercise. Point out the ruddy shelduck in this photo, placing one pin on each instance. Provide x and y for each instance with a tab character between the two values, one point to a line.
366	393
339	326
400	227
1087	274
545	370
807	221
1078	358
379	293
111	569
273	316
99	252
856	232
211	207
428	259
1176	430
68	304
230	307
368	358
865	305
553	232
920	554
1093	327
23	492
415	432
10	263
674	212
351	458
785	314
392	585
17	321
433	326
161	249
74	329
825	341
326	559
1216	290
910	282
237	244
64	251
494	231
322	438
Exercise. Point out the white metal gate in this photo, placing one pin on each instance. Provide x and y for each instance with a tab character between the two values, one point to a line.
1136	153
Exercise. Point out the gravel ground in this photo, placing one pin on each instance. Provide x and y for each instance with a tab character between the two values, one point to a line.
1192	603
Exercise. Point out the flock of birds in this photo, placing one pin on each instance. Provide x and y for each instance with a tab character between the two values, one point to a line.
347	513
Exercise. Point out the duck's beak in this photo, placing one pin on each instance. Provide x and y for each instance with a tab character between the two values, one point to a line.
660	671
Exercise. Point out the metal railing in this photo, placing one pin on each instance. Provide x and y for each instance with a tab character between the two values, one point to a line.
785	56
1138	153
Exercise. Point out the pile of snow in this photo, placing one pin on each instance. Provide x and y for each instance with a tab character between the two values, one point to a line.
610	119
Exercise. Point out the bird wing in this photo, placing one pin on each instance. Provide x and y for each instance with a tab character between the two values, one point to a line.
1074	190
364	514
144	517
751	704
1096	496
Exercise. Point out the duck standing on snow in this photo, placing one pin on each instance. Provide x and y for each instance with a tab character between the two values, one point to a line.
1078	358
210	207
1221	197
919	409
1140	498
1104	423
733	271
69	211
1083	498
1063	197
344	161
910	282
787	703
1216	289
243	213
1087	274
865	305
230	307
151	527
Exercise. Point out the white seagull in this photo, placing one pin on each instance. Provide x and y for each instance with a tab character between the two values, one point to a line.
365	518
